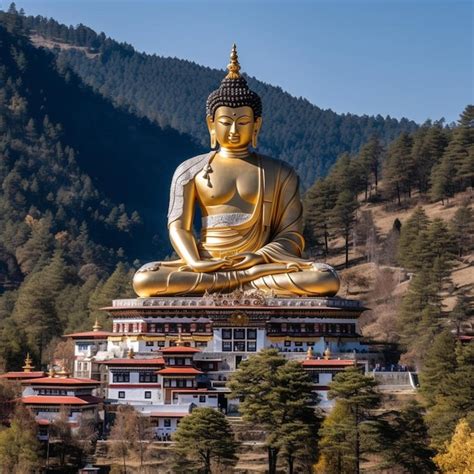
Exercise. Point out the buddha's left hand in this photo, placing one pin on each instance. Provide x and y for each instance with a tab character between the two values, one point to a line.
245	260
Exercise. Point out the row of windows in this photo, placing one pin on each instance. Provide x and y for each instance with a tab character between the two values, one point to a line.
317	328
143	377
174	327
178	383
51	391
239	333
239	346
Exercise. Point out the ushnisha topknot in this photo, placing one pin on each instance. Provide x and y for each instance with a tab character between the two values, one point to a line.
234	91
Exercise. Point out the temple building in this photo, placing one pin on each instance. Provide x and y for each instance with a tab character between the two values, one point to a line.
166	356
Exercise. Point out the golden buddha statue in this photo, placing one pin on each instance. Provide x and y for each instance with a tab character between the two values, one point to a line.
251	236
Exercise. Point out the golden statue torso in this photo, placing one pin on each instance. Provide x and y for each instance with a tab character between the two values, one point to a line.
234	187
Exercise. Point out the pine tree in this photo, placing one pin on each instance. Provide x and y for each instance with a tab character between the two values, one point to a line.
399	167
409	233
439	362
273	392
358	394
462	230
461	312
343	218
405	442
203	439
443	179
337	442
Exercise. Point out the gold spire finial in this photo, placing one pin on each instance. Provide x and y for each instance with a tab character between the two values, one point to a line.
27	367
97	326
309	353
51	372
63	373
131	353
179	341
327	353
233	67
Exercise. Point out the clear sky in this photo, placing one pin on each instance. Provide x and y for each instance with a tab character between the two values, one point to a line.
411	58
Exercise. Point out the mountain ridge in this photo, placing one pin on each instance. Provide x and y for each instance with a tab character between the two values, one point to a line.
172	92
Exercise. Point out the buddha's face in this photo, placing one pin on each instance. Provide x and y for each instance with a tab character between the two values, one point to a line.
234	128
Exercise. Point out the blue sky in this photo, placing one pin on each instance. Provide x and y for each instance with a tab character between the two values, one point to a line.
411	58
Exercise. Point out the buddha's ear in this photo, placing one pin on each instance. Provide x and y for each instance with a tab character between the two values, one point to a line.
212	131
256	130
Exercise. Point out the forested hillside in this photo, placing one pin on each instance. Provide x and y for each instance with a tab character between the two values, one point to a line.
173	92
73	172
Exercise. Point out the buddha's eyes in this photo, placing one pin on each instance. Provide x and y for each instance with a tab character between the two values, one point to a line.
225	123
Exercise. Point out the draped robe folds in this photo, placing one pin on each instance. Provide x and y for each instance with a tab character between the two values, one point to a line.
273	230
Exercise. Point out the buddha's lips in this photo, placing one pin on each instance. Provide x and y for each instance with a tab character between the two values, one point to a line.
234	139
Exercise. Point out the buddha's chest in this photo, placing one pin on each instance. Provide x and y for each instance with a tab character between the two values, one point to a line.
231	183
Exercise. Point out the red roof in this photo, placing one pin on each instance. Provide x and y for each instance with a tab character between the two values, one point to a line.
180	350
60	400
61	381
194	390
90	335
156	361
179	371
22	375
43	422
328	362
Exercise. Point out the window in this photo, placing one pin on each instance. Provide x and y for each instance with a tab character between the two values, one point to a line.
239	346
251	346
82	346
298	344
287	343
160	343
226	346
201	327
166	383
202	398
121	394
185	327
173	327
120	377
147	377
226	334
239	333
149	343
181	383
251	334
315	377
147	394
167	423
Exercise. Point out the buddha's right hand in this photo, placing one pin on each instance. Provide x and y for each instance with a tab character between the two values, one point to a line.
205	266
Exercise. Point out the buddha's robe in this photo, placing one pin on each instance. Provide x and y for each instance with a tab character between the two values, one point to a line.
273	230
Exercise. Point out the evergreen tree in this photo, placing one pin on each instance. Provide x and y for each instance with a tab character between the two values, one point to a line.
273	393
203	439
358	394
462	230
439	362
410	231
405	443
337	442
343	218
399	167
461	312
455	399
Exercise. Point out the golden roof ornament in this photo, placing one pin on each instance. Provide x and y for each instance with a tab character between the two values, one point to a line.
51	372
63	373
179	341
233	67
131	353
327	353
27	367
309	353
97	326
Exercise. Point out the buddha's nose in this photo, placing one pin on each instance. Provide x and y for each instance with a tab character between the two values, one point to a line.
233	129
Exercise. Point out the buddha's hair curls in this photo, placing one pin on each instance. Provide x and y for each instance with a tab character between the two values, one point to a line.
234	93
